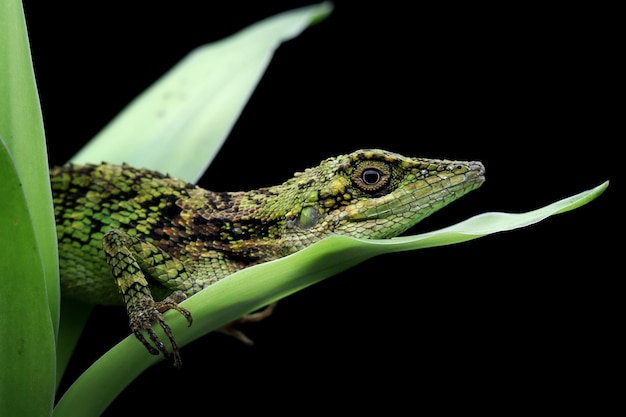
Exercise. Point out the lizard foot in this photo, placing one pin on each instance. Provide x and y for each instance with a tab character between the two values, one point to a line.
230	330
142	317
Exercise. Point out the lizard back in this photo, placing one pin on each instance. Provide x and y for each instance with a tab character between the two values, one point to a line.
181	219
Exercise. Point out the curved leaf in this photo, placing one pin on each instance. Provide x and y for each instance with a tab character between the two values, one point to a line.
260	285
26	329
21	126
29	278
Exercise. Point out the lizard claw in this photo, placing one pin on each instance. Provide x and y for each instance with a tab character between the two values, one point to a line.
142	318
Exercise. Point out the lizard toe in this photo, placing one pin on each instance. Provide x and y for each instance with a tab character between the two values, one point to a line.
141	322
171	303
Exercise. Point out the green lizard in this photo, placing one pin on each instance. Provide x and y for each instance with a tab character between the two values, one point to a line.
147	241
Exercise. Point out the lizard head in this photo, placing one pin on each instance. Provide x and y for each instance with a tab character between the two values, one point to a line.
375	194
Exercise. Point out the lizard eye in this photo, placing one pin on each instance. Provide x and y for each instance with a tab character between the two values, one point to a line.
371	176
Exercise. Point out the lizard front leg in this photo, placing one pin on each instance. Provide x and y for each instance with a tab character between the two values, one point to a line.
125	254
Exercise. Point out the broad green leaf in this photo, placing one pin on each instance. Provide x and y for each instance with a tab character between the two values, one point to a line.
29	279
260	285
21	126
27	354
179	123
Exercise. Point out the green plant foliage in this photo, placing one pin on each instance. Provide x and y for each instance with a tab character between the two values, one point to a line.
21	127
188	113
29	281
27	361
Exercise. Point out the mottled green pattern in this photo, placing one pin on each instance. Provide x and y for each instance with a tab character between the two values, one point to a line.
163	236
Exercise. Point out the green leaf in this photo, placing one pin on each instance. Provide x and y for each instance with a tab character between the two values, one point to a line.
29	278
185	116
27	354
21	127
260	285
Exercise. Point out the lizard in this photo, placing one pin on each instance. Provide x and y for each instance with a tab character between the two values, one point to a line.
146	240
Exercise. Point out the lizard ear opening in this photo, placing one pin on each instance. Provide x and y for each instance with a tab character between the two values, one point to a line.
309	216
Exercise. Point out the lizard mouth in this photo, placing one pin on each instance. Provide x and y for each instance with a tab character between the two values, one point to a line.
477	171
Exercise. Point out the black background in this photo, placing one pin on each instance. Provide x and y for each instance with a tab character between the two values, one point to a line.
516	321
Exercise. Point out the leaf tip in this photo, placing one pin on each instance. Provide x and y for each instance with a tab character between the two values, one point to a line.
323	11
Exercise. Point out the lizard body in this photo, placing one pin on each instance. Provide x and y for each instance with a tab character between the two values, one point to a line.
157	239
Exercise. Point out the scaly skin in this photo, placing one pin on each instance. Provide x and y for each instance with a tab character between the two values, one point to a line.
162	239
